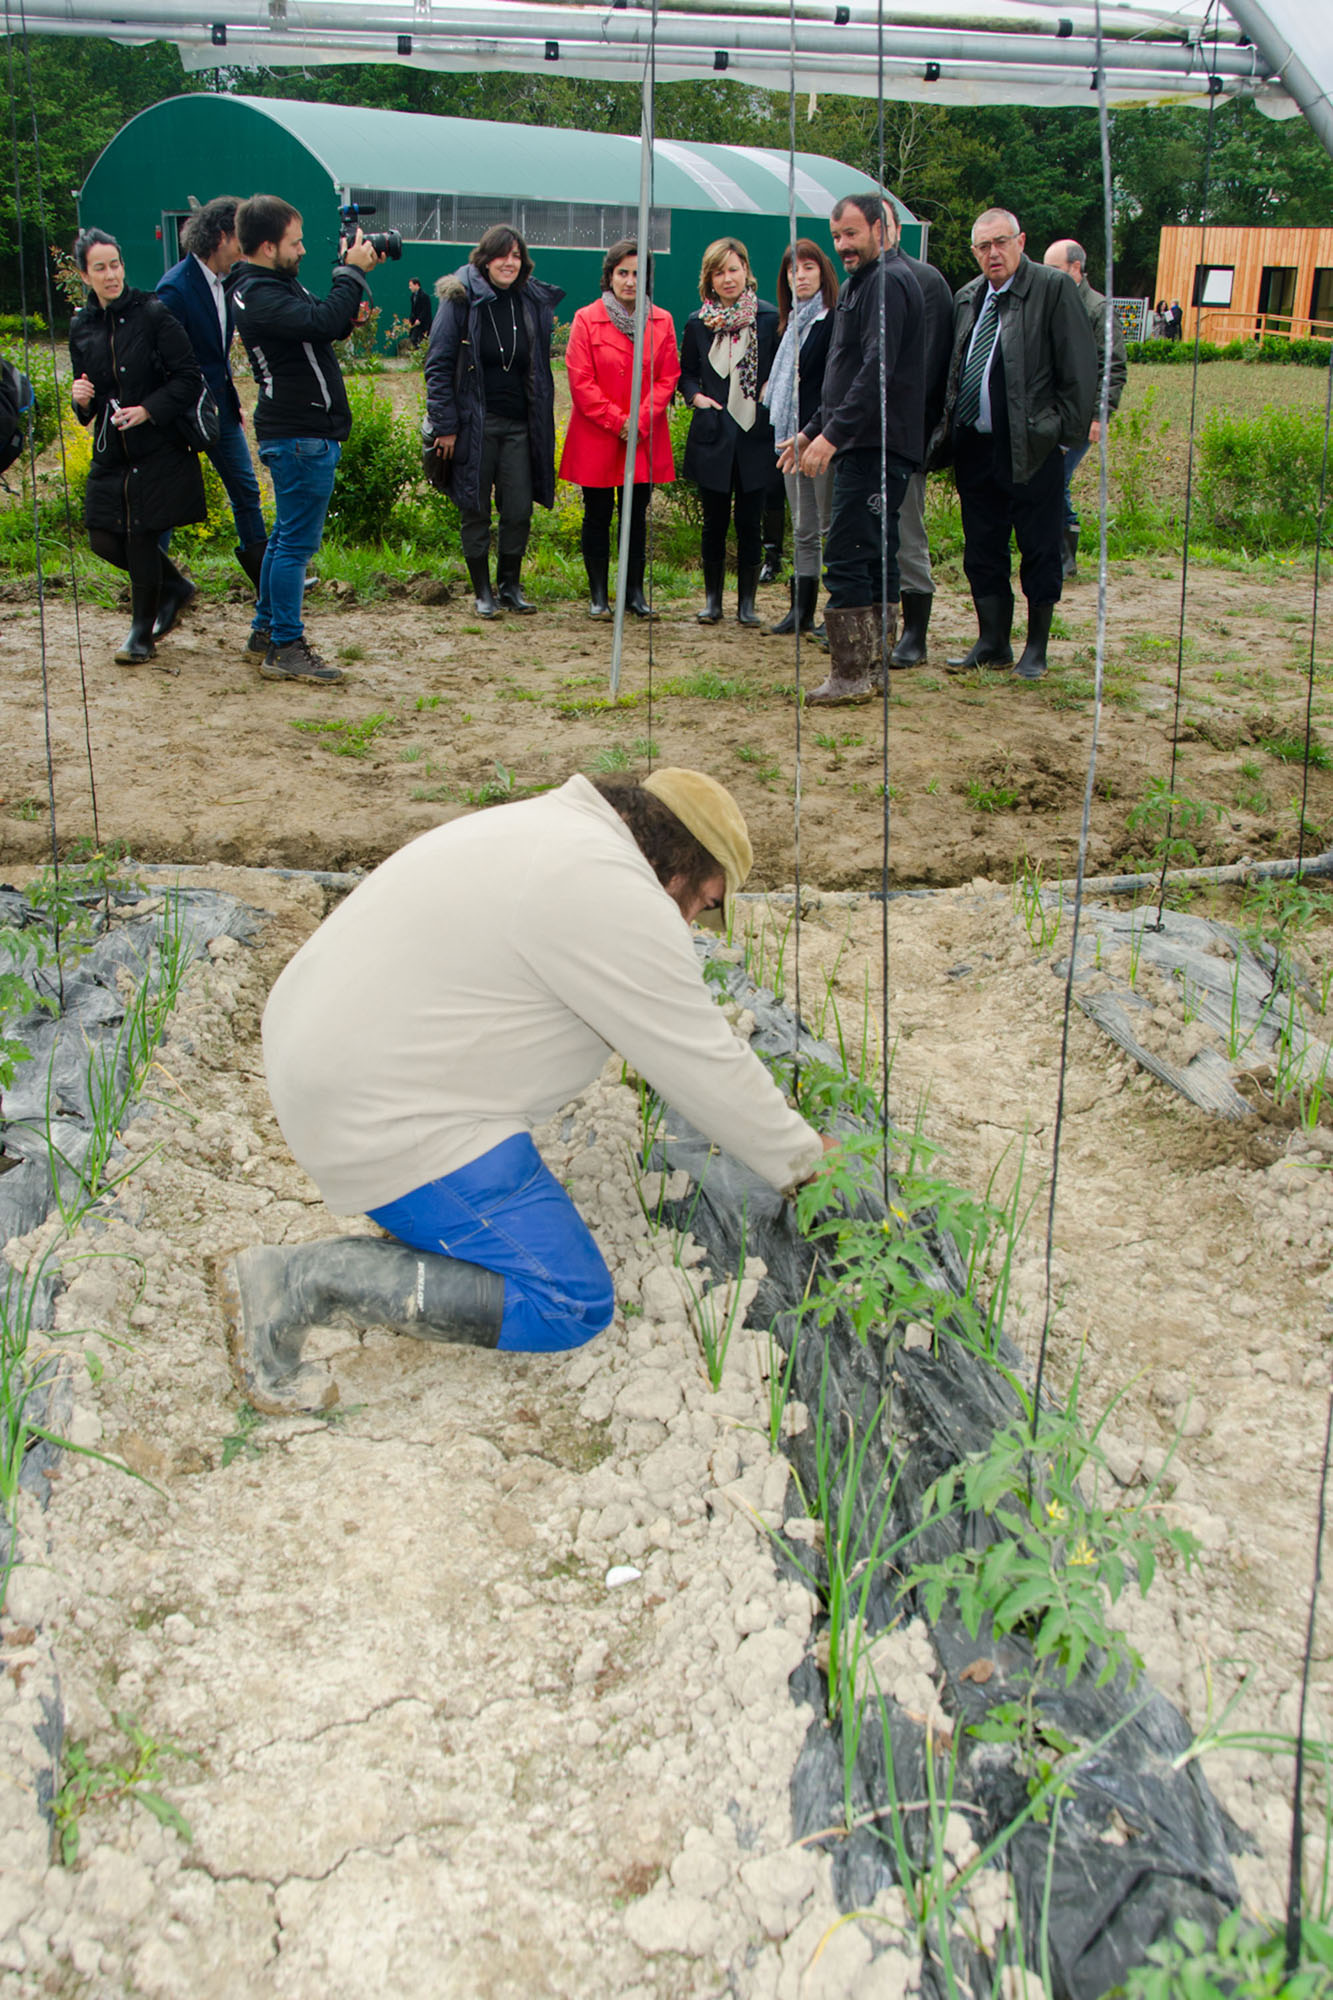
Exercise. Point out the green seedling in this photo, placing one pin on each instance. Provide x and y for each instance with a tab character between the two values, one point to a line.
135	1775
240	1442
1029	900
987	798
1171	818
344	737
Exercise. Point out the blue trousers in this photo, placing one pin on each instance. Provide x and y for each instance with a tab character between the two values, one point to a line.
1074	455
302	471
508	1213
231	456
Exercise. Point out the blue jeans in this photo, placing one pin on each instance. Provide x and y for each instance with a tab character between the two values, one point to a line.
508	1213
1074	456
231	456
302	472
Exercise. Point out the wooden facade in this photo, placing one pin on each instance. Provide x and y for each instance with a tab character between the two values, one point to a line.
1246	282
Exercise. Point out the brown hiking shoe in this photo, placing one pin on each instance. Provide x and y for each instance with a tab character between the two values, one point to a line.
297	662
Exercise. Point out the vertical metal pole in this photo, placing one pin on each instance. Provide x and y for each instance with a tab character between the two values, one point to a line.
640	328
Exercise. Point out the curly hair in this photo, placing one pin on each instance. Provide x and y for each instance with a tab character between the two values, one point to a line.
669	848
208	226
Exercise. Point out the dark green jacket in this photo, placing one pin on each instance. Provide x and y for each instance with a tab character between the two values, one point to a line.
1050	362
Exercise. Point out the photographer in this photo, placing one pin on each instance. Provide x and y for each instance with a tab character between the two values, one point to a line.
301	416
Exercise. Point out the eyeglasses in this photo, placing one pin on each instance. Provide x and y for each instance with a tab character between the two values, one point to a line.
994	243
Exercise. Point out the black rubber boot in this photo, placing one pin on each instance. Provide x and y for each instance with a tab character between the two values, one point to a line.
771	529
714	575
1032	665
251	559
804	597
747	582
599	604
272	1294
507	586
175	592
771	568
1069	554
910	650
635	601
479	574
854	642
995	623
138	642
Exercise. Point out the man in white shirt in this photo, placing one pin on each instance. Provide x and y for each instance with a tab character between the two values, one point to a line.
193	291
469	987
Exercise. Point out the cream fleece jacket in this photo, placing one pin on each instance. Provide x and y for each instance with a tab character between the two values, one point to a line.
478	980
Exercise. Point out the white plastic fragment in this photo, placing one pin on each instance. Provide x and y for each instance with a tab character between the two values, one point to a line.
622	1573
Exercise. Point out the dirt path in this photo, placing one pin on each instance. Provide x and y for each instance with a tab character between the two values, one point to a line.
210	763
429	1747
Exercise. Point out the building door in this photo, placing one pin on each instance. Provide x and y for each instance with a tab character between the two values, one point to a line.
172	225
1277	293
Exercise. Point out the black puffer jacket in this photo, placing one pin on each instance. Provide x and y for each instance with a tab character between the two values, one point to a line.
287	333
716	443
455	391
135	351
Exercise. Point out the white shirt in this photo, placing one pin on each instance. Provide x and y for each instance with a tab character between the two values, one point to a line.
219	299
983	414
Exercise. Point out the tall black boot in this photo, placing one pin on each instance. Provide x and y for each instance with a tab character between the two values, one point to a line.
747	582
804	597
714	576
995	622
479	573
598	568
1032	665
1069	553
507	586
175	592
272	1294
775	520
138	643
635	601
910	650
251	559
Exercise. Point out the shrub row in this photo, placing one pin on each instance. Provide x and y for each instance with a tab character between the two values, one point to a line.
1286	353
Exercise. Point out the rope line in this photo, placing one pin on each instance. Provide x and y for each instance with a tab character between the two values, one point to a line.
1085	823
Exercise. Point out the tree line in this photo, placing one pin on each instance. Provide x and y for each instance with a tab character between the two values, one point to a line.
946	165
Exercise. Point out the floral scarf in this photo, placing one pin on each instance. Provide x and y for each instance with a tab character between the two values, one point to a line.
734	354
780	394
621	317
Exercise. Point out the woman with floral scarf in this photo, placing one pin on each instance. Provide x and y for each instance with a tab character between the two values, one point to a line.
726	354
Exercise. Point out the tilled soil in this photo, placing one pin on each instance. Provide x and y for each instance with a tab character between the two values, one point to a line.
425	1743
198	759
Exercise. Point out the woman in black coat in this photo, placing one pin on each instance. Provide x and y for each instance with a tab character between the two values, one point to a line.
725	356
134	374
795	386
490	407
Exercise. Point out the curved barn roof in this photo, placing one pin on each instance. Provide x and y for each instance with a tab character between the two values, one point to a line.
414	151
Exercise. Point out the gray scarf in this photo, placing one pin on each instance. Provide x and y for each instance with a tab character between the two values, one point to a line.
621	317
780	395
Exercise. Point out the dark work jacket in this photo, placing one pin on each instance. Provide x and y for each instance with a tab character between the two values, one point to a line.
849	415
135	351
185	291
938	298
456	391
1049	357
716	443
422	310
288	335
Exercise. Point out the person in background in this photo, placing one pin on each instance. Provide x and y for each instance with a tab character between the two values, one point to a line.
1068	256
1175	321
600	364
726	353
134	372
490	407
420	312
193	291
916	579
805	317
302	416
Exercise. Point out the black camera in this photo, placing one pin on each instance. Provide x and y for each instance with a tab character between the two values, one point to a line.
385	242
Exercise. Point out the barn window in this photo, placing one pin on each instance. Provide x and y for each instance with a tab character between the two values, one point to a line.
547	225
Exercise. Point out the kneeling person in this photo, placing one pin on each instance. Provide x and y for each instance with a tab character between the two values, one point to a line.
469	987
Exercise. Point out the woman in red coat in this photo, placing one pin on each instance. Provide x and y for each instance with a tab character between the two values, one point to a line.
600	361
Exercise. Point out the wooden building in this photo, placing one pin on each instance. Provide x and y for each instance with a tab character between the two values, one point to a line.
1246	282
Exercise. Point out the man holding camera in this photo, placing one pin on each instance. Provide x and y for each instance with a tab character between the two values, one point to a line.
301	415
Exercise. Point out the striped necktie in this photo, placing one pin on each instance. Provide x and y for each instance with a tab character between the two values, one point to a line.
978	361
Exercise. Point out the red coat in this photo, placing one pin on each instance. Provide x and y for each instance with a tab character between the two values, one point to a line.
599	360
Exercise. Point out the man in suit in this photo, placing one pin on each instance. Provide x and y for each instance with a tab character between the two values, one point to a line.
1021	382
420	313
193	291
1068	256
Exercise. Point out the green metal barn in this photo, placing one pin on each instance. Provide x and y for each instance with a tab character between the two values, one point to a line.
442	181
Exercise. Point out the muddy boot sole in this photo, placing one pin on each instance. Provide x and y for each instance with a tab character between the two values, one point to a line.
267	1369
